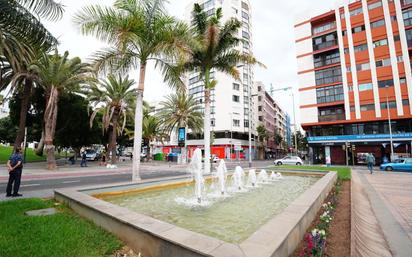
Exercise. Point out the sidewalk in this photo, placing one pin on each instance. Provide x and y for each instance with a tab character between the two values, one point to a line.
35	171
381	213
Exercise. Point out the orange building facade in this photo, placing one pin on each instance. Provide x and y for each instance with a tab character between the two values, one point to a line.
354	68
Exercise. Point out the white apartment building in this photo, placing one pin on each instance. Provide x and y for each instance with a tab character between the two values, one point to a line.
231	99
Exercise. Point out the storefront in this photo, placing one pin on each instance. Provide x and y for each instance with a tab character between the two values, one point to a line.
352	149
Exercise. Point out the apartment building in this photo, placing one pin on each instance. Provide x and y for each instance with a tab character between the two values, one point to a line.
232	104
354	73
273	118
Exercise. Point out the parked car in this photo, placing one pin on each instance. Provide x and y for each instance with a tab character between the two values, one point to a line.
404	164
291	160
92	155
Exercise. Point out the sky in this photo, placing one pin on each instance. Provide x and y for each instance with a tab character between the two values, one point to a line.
273	42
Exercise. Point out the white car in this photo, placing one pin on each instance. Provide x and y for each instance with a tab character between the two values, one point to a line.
291	160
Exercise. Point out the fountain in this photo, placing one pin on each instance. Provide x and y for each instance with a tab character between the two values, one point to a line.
252	177
273	176
221	176
238	178
196	170
263	176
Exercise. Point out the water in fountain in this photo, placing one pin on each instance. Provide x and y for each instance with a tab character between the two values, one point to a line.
221	176
197	173
273	176
251	180
263	176
238	178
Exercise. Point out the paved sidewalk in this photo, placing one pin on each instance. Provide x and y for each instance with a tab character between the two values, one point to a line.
381	213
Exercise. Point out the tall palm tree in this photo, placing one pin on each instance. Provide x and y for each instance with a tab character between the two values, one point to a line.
114	98
214	48
181	110
263	136
21	35
138	32
57	74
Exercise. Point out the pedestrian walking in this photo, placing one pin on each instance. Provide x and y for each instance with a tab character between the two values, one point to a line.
370	159
15	167
84	161
328	161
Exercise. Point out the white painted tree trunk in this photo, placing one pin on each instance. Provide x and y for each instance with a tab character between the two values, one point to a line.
138	125
206	131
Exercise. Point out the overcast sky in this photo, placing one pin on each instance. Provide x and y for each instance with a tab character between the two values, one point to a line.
273	41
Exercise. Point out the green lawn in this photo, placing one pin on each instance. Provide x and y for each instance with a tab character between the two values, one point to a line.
344	173
61	235
5	152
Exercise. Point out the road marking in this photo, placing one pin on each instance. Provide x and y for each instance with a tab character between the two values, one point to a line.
30	185
71	181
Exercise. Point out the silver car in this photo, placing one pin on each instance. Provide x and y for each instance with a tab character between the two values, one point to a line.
291	160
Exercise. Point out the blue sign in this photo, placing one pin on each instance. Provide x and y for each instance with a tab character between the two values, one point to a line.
360	137
181	138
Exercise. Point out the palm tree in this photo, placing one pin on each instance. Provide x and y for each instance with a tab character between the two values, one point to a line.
263	135
213	48
139	32
57	74
114	98
21	35
181	110
152	130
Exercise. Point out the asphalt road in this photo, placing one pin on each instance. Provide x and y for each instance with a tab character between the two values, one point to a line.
45	184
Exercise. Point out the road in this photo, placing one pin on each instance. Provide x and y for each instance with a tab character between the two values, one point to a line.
146	173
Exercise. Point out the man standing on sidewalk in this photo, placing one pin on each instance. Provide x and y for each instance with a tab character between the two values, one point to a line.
15	167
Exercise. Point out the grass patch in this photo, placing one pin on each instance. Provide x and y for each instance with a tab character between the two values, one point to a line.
61	235
344	173
5	152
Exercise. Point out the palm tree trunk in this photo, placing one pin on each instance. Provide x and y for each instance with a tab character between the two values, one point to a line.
113	137
50	118
28	84
138	124
206	131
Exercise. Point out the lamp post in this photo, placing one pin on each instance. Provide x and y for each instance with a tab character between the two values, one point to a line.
389	121
250	127
294	112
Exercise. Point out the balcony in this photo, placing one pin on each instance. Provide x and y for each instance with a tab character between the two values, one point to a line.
406	2
325	45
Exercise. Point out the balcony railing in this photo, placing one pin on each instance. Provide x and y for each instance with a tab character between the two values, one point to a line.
333	117
324	45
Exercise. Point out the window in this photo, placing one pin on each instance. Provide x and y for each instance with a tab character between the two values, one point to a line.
245	16
407	16
328	76
363	66
381	42
212	122
329	94
409	37
378	23
360	48
325	41
260	118
260	108
383	62
396	38
246	123
236	86
236	98
324	27
358	29
245	35
365	86
374	5
364	108
402	80
331	114
355	12
236	123
392	105
326	59
384	83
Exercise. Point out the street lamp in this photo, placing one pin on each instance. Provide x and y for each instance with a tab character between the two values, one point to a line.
294	113
250	127
389	121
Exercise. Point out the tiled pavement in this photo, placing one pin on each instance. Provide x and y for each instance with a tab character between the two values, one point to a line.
381	213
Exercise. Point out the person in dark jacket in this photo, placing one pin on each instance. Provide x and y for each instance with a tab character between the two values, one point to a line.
84	159
15	167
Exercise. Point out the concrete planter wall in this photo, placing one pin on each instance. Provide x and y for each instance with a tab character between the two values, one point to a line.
154	238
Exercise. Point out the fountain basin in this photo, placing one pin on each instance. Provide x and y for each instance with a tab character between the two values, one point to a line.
278	235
